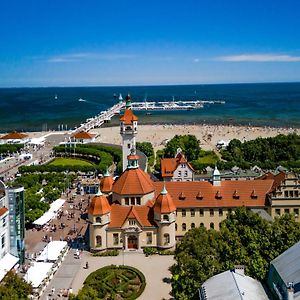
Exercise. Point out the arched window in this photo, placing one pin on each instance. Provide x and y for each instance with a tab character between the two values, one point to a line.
193	225
183	227
166	238
98	220
166	218
98	241
201	225
212	225
175	226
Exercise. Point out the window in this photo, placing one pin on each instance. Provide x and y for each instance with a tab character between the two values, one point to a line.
132	222
175	226
166	238
277	211
296	212
128	146
182	166
138	200
183	227
220	212
4	221
296	194
166	218
3	241
201	212
116	238
179	173
185	173
286	210
149	238
192	212
286	194
212	225
291	194
201	225
98	241
98	220
183	212
229	210
132	201
126	200
211	212
193	225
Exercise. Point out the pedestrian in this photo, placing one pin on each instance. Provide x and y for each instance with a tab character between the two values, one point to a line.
86	265
53	290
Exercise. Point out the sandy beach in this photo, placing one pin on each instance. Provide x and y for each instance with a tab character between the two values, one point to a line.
208	135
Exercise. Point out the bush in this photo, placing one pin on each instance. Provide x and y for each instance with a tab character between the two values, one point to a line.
150	251
113	252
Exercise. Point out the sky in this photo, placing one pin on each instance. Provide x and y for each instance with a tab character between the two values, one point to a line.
137	42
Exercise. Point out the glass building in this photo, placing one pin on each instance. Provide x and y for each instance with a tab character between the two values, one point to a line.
17	221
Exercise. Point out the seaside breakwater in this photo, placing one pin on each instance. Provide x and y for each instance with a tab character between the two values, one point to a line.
36	109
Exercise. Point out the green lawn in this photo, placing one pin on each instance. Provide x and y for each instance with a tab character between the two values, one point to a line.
61	161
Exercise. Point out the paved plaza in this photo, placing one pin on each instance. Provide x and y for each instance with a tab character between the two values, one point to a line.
72	273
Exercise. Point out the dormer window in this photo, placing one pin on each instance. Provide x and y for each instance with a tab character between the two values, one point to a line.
199	196
253	194
236	195
218	195
98	220
182	196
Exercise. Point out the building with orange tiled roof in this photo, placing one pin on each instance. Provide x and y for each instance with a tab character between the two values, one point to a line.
14	138
106	183
138	212
177	168
83	137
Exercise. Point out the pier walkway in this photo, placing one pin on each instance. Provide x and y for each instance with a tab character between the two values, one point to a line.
105	116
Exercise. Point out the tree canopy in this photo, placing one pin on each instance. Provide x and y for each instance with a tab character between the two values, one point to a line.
13	287
266	153
243	239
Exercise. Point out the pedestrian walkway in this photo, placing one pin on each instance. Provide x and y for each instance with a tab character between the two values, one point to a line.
155	269
63	278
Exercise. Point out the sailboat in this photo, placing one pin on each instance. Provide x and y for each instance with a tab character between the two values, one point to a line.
55	97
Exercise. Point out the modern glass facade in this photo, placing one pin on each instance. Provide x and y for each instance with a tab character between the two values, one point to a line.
17	222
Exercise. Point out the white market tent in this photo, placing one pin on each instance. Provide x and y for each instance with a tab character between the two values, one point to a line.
37	273
52	251
7	263
56	205
51	213
37	141
45	218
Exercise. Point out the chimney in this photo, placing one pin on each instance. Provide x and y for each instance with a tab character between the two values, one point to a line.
239	269
290	291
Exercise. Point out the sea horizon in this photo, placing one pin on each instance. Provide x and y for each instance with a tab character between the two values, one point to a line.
48	108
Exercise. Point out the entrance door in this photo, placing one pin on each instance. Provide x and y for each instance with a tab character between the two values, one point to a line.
132	242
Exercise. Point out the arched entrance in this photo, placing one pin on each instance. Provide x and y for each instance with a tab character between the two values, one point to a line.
132	242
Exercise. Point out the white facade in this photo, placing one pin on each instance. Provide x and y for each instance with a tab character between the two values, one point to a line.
183	173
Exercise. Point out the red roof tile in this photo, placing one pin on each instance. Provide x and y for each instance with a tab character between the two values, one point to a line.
133	182
203	193
99	205
278	179
164	204
3	210
14	136
83	135
169	165
106	184
128	117
143	214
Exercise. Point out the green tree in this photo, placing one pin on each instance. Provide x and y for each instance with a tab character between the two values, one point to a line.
14	288
243	239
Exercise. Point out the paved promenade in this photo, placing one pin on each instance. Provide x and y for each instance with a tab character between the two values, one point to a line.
72	272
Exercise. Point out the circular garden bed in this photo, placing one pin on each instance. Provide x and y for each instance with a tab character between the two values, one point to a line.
116	282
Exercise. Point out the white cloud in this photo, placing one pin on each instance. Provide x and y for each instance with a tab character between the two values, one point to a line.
259	58
77	57
196	60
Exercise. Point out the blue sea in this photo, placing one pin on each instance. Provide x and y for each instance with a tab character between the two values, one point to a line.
36	109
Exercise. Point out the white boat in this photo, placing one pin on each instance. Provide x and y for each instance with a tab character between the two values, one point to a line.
81	100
